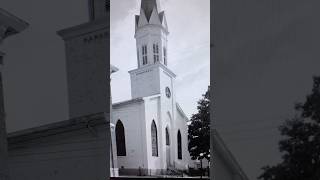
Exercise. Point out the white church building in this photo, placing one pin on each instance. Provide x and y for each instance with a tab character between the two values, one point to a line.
149	131
151	128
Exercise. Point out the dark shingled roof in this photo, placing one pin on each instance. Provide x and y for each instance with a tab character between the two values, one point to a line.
147	6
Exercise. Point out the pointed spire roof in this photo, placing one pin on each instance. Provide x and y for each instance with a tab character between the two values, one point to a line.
148	5
150	14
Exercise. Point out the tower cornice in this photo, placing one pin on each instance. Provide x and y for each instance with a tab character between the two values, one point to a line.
152	66
150	26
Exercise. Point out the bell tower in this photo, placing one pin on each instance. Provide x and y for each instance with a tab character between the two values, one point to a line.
151	33
87	53
152	75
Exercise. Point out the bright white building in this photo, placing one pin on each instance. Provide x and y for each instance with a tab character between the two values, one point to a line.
151	128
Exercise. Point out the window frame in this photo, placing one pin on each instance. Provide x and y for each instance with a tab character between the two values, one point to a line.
154	139
120	139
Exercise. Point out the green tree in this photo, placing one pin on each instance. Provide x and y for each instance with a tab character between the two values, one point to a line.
199	130
301	144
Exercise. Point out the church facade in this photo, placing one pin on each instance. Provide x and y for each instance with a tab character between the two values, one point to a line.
151	128
148	132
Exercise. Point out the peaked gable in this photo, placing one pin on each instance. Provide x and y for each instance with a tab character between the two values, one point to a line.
163	20
147	6
142	19
136	21
154	19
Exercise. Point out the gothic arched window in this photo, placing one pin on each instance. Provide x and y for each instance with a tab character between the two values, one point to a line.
120	139
179	145
167	137
154	139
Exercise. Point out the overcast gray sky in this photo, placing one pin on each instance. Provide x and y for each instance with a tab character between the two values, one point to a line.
188	49
265	55
34	72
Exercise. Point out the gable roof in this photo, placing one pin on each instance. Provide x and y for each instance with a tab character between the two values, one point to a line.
131	101
57	128
181	112
223	152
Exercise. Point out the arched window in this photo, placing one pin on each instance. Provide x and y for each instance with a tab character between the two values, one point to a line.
120	139
154	139
179	145
167	137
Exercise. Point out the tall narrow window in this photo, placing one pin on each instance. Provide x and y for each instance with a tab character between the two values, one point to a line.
165	55
154	139
107	3
179	145
138	54
156	53
144	55
167	137
120	139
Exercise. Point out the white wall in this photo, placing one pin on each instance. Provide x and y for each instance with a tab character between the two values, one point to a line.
181	125
132	116
78	154
145	81
152	113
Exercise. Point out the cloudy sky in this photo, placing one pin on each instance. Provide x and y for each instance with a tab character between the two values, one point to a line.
34	72
188	49
265	55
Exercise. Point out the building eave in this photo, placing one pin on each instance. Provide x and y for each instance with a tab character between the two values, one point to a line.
165	68
220	147
14	24
92	26
181	112
123	103
113	69
56	128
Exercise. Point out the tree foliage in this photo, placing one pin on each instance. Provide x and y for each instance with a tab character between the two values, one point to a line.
301	144
199	130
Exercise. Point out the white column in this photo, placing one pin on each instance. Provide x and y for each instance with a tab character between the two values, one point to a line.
114	171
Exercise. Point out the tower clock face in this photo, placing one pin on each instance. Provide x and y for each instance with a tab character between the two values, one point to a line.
168	92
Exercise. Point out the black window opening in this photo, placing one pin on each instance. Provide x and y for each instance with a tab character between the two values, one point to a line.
144	55
167	137
156	53
179	145
154	139
120	139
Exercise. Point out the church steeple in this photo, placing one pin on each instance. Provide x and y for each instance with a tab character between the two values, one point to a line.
150	14
152	75
151	33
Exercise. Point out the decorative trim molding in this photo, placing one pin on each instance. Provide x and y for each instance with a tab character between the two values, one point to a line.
85	28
